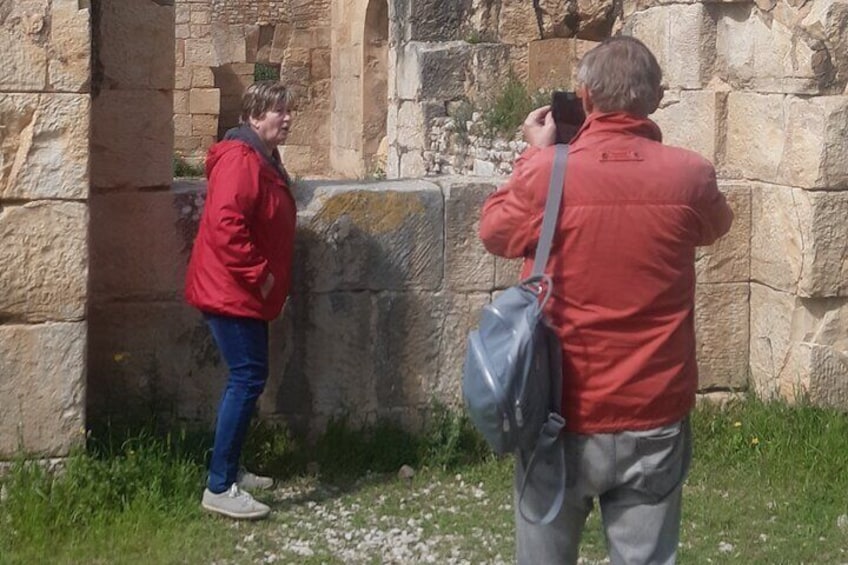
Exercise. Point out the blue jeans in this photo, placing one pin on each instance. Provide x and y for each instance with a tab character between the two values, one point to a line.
243	343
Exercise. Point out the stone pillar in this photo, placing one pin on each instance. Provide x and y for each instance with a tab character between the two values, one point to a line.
759	89
44	158
131	174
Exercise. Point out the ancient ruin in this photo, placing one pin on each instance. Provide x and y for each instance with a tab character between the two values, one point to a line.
98	97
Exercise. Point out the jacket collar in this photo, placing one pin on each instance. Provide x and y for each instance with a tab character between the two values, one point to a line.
618	123
246	135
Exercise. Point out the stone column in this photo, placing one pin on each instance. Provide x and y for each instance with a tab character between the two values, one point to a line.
132	147
44	157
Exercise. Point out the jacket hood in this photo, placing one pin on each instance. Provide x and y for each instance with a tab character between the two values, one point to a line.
243	135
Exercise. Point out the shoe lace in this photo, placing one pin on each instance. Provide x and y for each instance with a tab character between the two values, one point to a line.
239	494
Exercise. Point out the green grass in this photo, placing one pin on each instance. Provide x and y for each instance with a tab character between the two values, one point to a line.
509	108
768	485
184	169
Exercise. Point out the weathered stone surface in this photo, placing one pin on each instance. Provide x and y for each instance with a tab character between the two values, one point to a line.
827	21
69	51
140	243
44	146
151	359
587	19
799	241
24	31
517	23
552	63
435	71
729	259
43	250
757	51
42	384
142	155
682	37
788	140
692	119
386	236
432	20
136	45
799	346
722	328
488	71
507	272
468	266
204	101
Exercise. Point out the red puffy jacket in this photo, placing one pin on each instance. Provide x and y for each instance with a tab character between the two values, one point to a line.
623	267
246	233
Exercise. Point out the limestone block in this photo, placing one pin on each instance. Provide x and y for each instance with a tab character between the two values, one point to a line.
384	236
44	253
798	241
755	135
682	37
205	101
308	127
69	51
411	124
488	70
204	124
692	119
816	150
517	24
182	78
42	384
552	63
310	13
151	359
433	71
756	51
44	146
181	105
507	272
434	20
137	44
340	379
468	266
182	13
202	77
827	21
412	164
586	19
179	53
182	125
140	243
319	64
297	159
142	155
200	53
229	44
722	329
460	315
24	29
729	259
799	346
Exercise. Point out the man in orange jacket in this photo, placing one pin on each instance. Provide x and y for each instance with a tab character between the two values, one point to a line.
623	270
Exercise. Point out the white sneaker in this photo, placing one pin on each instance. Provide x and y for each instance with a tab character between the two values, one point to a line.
252	481
234	503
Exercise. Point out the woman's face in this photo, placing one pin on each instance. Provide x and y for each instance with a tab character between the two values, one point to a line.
273	126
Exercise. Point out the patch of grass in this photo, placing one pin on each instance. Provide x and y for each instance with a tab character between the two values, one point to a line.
266	71
508	110
767	485
183	168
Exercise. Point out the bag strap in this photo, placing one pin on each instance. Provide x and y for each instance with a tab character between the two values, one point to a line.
555	190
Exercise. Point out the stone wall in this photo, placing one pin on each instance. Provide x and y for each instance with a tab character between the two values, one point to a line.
218	44
45	113
389	278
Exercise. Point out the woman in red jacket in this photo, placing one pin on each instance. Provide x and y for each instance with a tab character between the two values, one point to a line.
239	275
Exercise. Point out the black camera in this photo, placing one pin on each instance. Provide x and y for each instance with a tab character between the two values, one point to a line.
567	111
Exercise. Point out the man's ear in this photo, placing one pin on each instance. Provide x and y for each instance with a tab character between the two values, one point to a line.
586	98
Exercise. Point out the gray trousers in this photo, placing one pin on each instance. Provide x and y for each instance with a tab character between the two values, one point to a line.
637	478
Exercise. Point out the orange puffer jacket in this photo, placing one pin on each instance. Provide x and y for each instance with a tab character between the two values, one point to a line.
623	267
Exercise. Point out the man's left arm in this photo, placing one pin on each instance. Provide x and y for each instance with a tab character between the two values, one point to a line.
713	211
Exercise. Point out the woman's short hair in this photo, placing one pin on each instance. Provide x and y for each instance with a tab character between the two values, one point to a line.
622	75
263	96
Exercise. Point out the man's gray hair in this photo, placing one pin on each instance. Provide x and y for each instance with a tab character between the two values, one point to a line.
622	75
